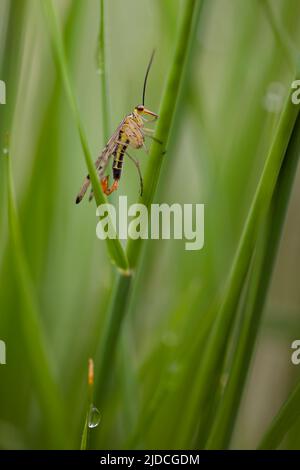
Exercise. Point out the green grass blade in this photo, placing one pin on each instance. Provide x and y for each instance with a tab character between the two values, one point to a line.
114	246
211	366
228	404
167	112
284	420
86	428
284	41
84	438
107	347
48	391
102	70
10	65
11	61
254	303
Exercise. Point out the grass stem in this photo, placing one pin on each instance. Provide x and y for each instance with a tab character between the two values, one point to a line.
167	113
212	361
283	421
48	391
114	246
254	302
102	70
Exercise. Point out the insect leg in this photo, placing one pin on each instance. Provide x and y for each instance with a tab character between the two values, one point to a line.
83	189
106	189
100	165
137	164
148	133
149	120
154	139
104	184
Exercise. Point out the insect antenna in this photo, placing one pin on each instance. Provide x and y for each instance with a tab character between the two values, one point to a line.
146	76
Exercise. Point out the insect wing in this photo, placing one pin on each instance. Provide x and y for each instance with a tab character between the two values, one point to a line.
102	160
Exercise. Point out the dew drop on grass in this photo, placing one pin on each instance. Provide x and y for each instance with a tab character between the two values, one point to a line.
5	151
94	417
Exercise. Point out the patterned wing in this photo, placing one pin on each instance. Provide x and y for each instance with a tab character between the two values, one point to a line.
101	162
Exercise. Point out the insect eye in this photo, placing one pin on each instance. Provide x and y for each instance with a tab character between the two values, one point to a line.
140	107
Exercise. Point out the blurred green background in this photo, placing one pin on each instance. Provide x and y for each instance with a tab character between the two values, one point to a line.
239	77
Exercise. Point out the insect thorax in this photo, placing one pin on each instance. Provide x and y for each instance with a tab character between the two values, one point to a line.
137	119
131	131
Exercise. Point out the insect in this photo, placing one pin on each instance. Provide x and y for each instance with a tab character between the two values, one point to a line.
130	133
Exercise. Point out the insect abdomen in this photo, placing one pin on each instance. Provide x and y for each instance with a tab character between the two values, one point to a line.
118	160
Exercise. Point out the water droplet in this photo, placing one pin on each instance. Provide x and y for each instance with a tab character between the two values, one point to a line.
5	151
94	417
274	97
